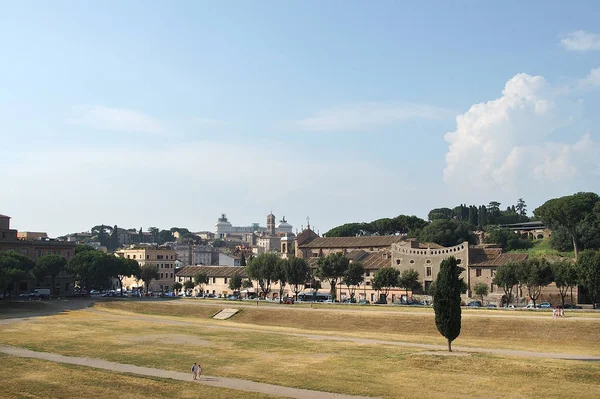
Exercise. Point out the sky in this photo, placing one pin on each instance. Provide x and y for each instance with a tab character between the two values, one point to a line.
156	113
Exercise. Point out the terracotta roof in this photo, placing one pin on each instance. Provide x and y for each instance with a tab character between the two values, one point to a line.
493	257
306	236
370	260
211	271
351	242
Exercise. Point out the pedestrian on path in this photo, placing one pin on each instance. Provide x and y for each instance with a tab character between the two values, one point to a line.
194	371
198	371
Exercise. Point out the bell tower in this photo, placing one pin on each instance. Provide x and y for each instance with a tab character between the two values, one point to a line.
271	224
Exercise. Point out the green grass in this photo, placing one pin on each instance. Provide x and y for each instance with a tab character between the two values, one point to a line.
542	249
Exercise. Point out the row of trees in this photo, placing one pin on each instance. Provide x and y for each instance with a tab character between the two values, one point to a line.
483	215
90	268
334	268
534	274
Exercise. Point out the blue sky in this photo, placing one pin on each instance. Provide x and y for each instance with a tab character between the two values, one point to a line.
169	113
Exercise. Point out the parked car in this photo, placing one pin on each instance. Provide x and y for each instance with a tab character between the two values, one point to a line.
569	306
94	292
532	306
363	302
474	304
491	305
545	305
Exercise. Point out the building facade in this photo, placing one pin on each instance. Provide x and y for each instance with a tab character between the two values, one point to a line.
163	258
224	228
34	249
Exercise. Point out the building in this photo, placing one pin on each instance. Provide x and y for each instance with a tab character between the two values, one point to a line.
224	228
229	260
267	244
163	258
218	278
205	255
31	235
184	253
34	249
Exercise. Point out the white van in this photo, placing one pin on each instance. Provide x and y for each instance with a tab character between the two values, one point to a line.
41	293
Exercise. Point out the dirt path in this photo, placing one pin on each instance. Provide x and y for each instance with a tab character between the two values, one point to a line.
220	382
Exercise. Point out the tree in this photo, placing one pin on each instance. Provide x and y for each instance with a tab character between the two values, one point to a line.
507	239
125	268
538	274
189	285
49	265
14	267
200	279
91	269
409	280
177	287
332	268
235	283
506	277
568	212
447	233
280	276
521	207
263	268
473	215
493	209
154	231
147	274
354	275
565	278
297	274
385	279
481	289
446	300
589	273
440	213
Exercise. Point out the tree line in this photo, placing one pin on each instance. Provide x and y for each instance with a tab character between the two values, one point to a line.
531	275
89	268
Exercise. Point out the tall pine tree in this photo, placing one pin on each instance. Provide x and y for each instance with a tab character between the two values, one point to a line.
446	300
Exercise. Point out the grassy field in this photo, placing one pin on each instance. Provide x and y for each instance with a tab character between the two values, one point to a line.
535	334
542	249
246	348
30	378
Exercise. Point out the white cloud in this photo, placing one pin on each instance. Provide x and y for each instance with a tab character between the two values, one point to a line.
507	142
370	116
581	41
592	80
116	119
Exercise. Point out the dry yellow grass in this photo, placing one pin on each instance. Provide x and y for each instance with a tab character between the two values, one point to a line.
30	378
534	334
367	369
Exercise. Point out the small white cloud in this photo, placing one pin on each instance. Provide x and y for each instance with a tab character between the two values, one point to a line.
592	80
581	41
369	116
117	119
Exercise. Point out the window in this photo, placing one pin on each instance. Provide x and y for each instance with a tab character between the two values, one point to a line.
171	275
397	261
491	288
147	256
458	261
428	271
214	280
128	256
49	252
39	252
477	272
368	283
161	275
367	273
133	256
225	280
412	261
428	261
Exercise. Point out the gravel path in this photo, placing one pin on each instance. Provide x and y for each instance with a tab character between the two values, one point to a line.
220	382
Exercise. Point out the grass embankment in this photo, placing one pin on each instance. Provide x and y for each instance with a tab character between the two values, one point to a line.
541	334
172	343
30	378
542	249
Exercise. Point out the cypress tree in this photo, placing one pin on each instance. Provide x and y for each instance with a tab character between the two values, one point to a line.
446	300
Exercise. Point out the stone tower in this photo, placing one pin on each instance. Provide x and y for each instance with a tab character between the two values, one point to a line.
271	224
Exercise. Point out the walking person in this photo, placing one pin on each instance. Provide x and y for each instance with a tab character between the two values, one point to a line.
194	371
198	371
